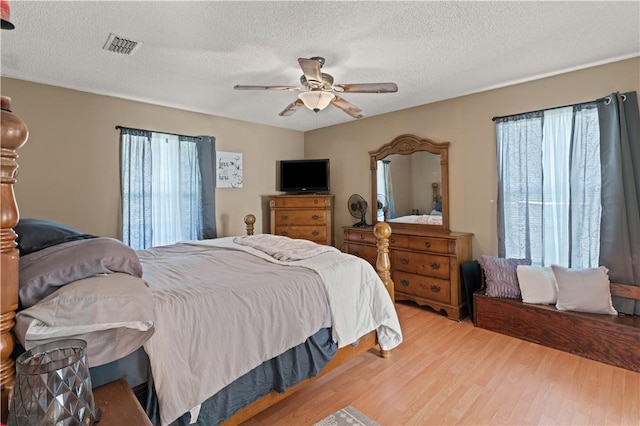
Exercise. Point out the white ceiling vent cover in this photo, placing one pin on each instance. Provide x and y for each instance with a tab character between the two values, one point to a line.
118	44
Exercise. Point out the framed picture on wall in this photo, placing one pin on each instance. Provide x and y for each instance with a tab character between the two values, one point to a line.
229	169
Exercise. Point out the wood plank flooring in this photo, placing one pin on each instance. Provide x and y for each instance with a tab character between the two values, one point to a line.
447	372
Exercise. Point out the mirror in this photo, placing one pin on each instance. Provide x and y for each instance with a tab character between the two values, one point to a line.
410	184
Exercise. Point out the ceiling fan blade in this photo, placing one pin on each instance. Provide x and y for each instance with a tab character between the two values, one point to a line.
347	107
310	69
291	108
366	88
287	88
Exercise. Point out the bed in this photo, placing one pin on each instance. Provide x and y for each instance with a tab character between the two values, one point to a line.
424	219
432	215
139	303
116	299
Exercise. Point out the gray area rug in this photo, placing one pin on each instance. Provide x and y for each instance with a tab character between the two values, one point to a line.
347	416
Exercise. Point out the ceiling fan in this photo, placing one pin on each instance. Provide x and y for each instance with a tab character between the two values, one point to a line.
318	90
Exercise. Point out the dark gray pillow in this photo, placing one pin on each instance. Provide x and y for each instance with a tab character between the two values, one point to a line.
41	273
501	276
38	234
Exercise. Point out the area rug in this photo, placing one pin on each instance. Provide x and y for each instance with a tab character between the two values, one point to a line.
347	416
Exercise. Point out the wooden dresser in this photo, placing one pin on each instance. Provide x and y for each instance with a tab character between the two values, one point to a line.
425	265
309	217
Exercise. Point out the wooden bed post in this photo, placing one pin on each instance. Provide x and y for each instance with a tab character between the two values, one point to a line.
249	220
382	231
14	135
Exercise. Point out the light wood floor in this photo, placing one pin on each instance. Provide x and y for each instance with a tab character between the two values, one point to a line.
448	372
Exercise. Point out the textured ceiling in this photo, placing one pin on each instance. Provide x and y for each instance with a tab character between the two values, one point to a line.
194	52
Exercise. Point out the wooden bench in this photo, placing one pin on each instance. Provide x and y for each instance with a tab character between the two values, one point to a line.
611	339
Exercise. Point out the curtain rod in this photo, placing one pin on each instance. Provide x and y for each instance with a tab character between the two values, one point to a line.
156	131
606	99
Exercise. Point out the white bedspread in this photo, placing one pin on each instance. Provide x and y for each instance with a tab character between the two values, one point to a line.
358	301
196	351
424	219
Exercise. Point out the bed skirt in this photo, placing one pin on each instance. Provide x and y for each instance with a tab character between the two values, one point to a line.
288	369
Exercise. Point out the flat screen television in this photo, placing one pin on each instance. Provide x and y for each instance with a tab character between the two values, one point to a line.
302	176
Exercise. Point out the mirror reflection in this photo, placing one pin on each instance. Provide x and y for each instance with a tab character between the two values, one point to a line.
410	183
409	188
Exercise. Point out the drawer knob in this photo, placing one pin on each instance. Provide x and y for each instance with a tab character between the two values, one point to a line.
315	217
284	202
284	217
392	240
315	201
427	244
435	265
404	260
356	253
315	233
404	282
362	236
285	233
435	288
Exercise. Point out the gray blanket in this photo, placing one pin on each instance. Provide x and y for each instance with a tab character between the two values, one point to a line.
220	313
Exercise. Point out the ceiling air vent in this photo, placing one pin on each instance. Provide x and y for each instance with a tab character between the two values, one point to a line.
122	45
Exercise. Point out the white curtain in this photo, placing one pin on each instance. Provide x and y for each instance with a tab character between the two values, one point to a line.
165	198
586	189
549	186
172	190
556	144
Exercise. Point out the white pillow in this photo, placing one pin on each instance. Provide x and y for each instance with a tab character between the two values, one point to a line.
113	313
583	290
537	284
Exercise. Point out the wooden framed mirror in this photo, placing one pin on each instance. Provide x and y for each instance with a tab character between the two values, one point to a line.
410	184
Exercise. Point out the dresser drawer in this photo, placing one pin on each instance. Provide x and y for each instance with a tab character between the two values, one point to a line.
422	286
365	237
313	233
300	217
368	253
398	241
301	202
437	245
421	263
368	237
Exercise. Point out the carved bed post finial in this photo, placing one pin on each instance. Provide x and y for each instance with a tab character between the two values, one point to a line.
14	134
249	220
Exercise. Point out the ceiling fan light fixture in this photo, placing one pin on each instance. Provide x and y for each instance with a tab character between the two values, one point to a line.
316	100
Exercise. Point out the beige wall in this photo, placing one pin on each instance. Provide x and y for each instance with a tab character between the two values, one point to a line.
69	168
466	123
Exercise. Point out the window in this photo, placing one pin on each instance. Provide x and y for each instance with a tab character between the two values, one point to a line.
385	188
167	188
549	183
569	188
